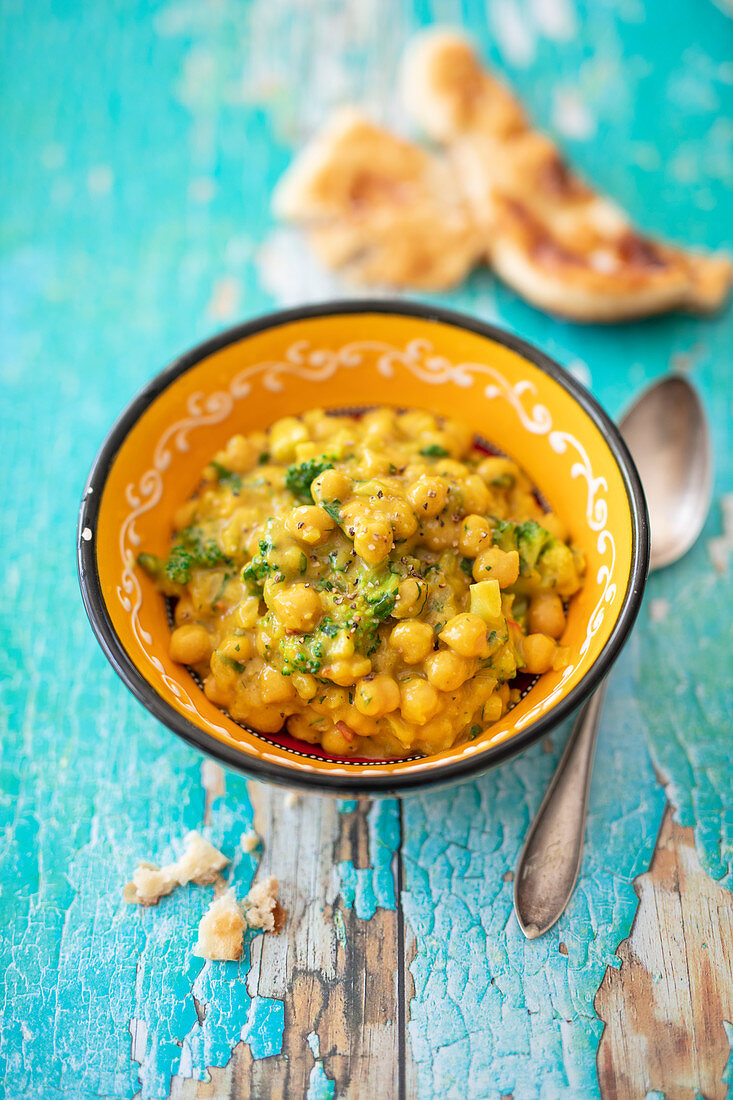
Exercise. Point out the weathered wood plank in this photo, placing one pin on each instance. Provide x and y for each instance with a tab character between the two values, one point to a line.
664	1008
336	973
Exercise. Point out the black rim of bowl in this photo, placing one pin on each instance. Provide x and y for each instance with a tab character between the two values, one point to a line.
326	782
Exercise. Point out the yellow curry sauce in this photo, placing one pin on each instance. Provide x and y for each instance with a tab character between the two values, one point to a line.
373	582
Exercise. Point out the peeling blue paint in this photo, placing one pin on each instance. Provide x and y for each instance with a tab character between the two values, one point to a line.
265	1027
365	889
486	999
320	1087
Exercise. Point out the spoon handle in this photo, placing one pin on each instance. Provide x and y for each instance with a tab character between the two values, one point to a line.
550	859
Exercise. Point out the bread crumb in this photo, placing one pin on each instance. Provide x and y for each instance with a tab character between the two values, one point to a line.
221	930
200	863
250	841
260	905
222	927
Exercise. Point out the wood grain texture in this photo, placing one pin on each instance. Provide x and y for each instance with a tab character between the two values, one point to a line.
337	974
666	1007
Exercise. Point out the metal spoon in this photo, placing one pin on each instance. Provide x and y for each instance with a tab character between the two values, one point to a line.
667	434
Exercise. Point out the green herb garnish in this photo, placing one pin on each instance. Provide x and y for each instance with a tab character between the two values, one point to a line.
300	477
227	477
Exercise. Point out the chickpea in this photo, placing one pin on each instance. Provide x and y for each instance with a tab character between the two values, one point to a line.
274	687
374	463
475	497
475	536
538	651
238	647
298	607
184	516
466	635
265	719
373	540
333	697
546	615
500	565
216	691
428	496
412	640
305	685
305	727
492	709
401	516
439	534
448	467
554	525
340	741
306	451
331	485
447	670
378	424
499	472
459	437
310	524
240	454
184	610
348	670
224	671
248	612
190	644
419	701
342	646
411	595
284	435
414	423
377	696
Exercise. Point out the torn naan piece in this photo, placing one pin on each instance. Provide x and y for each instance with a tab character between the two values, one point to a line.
378	208
559	244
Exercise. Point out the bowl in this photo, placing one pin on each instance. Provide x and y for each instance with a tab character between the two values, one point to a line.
347	355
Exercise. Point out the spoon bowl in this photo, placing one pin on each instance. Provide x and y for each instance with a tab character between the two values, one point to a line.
666	431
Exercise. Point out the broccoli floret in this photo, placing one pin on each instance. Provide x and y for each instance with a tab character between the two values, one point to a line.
378	595
301	654
193	549
179	565
505	534
530	539
259	568
299	478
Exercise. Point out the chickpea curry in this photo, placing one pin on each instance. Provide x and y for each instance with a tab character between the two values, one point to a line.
373	583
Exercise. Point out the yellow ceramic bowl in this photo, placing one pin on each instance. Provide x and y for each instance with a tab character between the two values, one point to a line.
356	354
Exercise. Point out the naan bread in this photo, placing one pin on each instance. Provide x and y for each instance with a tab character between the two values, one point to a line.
381	209
559	244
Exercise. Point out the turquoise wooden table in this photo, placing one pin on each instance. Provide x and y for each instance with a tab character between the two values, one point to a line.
141	140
